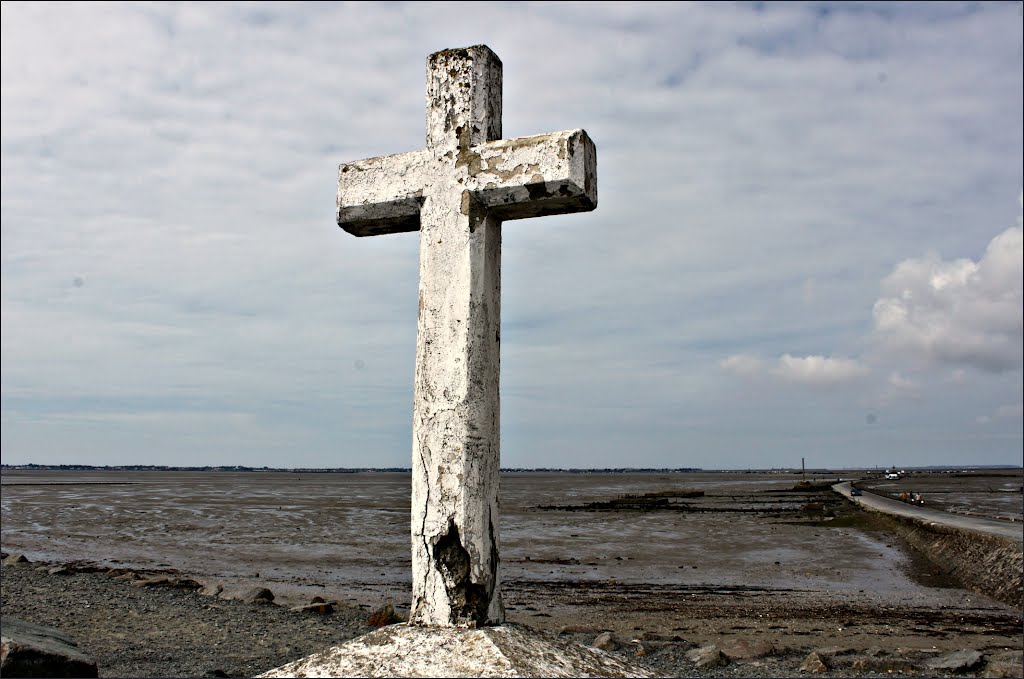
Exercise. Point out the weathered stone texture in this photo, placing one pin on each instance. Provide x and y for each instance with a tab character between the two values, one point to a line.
504	651
456	192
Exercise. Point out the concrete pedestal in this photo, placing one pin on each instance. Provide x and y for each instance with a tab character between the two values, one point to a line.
503	651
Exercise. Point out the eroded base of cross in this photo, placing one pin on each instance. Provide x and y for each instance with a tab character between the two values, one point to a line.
504	651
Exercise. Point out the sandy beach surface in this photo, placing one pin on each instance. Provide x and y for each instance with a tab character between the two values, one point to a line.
765	573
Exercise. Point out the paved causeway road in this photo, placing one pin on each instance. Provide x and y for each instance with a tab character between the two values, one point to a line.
878	503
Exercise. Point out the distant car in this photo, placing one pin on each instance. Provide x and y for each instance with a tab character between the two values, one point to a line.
856	492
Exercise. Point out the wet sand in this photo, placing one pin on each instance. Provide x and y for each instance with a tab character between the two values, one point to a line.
745	560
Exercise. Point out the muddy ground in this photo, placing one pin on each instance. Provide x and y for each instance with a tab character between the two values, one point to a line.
750	559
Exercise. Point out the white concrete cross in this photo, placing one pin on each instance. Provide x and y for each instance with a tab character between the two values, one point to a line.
457	192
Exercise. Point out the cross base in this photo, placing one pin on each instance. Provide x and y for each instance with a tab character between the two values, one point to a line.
505	651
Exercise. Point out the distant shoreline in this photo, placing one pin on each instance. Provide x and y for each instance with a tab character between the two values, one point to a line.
515	470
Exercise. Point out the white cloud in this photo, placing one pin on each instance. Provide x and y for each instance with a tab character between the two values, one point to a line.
957	312
818	370
815	371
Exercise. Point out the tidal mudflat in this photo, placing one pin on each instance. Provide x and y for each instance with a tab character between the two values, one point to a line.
699	556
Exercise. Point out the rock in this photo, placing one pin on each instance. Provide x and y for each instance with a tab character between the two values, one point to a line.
606	641
383	616
504	651
186	583
28	650
58	570
15	559
654	636
579	629
829	652
251	595
706	657
152	582
1009	664
745	649
211	590
957	661
814	663
322	607
127	575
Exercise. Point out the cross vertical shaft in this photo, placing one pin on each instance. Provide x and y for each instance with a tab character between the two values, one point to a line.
456	457
457	191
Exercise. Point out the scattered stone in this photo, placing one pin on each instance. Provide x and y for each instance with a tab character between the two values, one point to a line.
152	582
28	650
322	607
579	629
814	663
252	595
706	657
957	661
829	652
606	641
15	559
186	583
211	590
745	649
655	636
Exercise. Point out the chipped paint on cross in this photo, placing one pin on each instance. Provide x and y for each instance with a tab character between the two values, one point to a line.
457	192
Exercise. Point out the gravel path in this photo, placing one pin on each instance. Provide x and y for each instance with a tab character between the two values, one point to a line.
168	632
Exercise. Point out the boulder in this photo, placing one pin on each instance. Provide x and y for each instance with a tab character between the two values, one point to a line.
58	570
15	559
250	595
957	661
707	657
211	590
28	650
152	582
814	663
747	649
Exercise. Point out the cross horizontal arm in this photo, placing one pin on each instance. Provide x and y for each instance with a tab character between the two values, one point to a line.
381	195
533	176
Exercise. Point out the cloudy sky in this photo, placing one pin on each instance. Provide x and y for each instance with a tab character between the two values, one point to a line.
808	242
